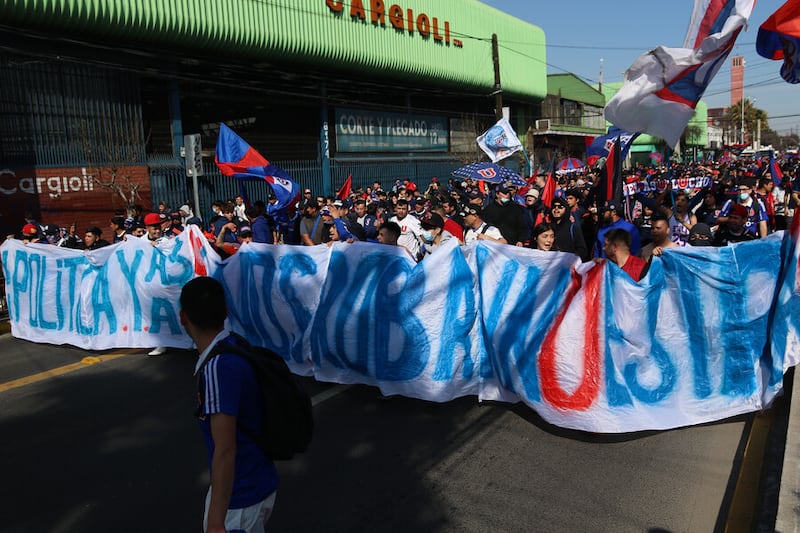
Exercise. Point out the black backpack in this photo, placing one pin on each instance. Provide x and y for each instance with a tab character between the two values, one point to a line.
288	420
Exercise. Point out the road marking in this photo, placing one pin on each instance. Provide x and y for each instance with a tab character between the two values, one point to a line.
328	394
61	370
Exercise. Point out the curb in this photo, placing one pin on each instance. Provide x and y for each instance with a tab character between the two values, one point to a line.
744	504
788	518
5	327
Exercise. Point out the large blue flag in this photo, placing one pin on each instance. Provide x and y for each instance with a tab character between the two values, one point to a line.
779	38
601	146
238	159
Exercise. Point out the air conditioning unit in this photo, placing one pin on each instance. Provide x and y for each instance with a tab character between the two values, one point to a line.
543	124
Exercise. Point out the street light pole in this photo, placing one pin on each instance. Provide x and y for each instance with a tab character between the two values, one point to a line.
742	110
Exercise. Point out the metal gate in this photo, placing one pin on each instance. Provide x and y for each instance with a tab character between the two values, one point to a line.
168	181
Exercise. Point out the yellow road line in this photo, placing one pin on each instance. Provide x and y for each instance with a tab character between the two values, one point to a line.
61	370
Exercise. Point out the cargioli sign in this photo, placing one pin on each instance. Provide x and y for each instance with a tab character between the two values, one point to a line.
399	18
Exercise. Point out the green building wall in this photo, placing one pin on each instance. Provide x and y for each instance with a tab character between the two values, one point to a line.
344	35
698	120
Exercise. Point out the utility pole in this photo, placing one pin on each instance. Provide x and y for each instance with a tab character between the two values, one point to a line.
743	102
600	80
498	90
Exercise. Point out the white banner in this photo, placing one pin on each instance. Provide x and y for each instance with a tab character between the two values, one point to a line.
707	334
659	185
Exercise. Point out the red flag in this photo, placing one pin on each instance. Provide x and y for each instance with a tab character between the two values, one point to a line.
549	191
522	191
344	190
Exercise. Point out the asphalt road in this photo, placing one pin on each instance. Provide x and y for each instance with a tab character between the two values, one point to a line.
112	446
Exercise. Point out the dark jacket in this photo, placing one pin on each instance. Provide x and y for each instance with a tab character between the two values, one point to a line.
509	219
569	237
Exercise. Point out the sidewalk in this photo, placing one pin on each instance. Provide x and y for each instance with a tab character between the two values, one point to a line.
788	518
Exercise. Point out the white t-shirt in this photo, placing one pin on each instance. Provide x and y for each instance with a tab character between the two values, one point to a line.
678	233
410	230
472	234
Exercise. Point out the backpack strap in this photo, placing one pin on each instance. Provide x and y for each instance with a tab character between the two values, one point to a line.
240	348
314	228
485	228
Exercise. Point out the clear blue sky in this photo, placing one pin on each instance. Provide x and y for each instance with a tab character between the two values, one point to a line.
581	32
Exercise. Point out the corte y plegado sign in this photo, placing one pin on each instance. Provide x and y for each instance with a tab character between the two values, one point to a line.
400	19
372	131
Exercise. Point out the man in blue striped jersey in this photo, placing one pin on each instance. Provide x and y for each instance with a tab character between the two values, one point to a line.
243	480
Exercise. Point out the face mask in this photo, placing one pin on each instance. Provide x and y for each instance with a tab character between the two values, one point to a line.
743	196
215	210
505	200
427	236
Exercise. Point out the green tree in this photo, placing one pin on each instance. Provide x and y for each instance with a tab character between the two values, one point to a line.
751	117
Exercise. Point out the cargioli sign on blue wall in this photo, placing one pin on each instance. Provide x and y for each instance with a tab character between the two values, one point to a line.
374	131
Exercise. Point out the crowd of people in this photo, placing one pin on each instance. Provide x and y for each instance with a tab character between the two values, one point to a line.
741	202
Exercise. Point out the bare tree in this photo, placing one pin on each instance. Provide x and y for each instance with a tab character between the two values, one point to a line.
110	154
464	131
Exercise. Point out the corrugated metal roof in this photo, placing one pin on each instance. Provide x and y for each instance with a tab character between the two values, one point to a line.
445	42
573	88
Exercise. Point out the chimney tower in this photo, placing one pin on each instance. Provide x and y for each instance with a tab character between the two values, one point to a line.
737	79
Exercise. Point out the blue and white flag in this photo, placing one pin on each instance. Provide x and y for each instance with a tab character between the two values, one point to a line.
499	141
662	87
601	146
237	159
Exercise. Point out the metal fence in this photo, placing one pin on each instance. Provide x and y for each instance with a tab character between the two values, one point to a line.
168	181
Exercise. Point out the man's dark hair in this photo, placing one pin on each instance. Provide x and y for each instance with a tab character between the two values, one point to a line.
619	236
118	221
203	302
656	218
448	200
402	201
94	230
360	201
393	228
252	212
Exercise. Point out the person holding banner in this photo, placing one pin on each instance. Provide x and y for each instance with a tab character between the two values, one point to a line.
544	238
433	233
660	234
152	222
477	229
617	248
